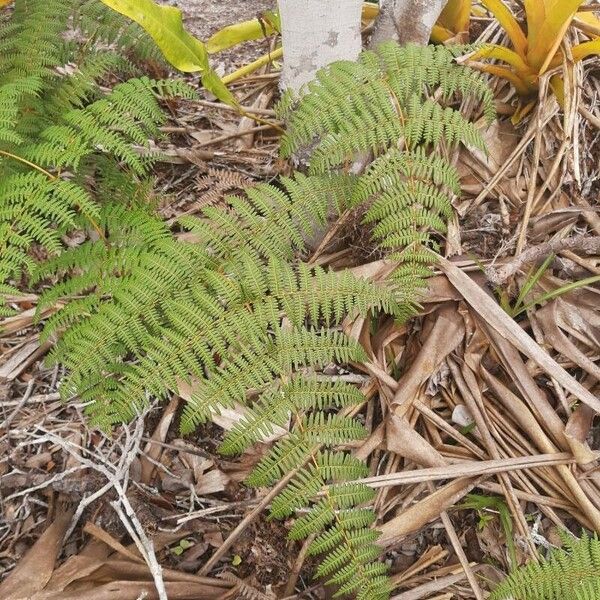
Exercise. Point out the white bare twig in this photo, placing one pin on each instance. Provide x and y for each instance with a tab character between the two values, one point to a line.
117	476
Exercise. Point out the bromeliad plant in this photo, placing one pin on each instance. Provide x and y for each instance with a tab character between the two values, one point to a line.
536	48
453	20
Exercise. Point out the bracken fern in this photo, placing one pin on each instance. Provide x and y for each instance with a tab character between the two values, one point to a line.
56	121
397	105
569	573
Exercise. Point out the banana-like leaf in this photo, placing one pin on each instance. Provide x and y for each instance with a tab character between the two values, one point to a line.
232	35
509	24
185	52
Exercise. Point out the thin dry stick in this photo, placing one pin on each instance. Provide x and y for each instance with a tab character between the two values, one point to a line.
295	573
535	164
469	469
476	406
424	591
236	134
251	516
460	553
487	308
267	112
581	243
516	153
118	476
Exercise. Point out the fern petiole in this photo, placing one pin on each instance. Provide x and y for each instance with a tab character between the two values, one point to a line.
52	177
28	163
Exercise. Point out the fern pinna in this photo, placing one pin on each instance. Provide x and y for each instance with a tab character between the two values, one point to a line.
569	573
56	120
397	105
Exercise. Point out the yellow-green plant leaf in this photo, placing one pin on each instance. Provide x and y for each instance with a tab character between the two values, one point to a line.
558	87
235	34
586	49
440	34
369	11
509	24
523	87
456	16
535	12
185	52
559	14
494	51
588	21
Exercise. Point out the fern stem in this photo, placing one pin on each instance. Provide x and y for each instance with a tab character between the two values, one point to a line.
28	163
52	177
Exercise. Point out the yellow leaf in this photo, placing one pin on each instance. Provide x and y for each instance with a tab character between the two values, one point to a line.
586	49
535	12
559	14
497	52
519	84
369	11
558	87
185	52
253	66
522	112
245	31
4	3
440	34
456	16
509	24
588	22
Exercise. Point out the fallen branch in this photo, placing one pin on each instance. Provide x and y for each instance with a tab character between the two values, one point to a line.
581	243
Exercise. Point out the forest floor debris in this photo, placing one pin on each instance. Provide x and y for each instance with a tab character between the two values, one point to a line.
465	389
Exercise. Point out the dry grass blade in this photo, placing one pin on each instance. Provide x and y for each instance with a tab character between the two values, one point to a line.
505	326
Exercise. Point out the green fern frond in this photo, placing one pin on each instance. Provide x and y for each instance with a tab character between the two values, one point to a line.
61	132
569	573
396	104
229	311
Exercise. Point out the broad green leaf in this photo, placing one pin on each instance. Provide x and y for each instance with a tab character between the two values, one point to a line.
185	52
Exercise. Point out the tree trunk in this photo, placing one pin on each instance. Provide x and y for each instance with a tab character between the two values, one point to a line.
316	33
406	21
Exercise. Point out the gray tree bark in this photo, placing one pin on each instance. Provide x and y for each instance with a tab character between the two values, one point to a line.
316	33
406	21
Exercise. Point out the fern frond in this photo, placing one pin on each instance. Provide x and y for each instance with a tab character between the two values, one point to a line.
395	104
569	573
